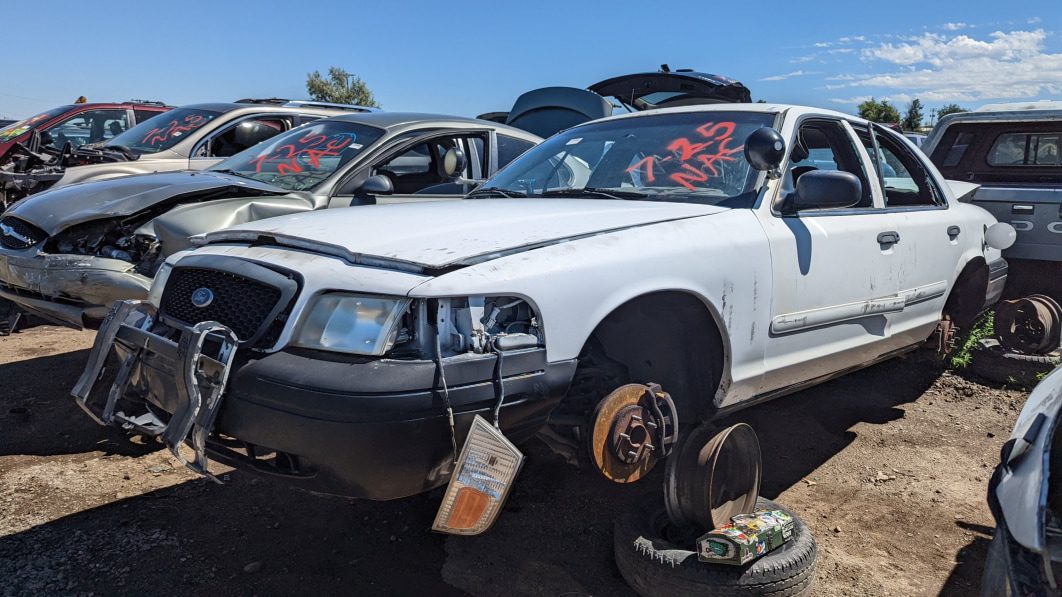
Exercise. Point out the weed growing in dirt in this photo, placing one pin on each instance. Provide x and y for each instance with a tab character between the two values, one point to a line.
984	327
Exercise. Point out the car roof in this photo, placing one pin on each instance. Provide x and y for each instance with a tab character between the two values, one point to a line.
395	120
791	109
224	107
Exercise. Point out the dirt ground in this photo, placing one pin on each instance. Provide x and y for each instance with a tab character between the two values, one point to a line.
888	466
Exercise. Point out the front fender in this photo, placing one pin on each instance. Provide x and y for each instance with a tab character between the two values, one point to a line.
722	259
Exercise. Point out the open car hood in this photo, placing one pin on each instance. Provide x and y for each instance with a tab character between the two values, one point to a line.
57	209
549	110
439	235
645	91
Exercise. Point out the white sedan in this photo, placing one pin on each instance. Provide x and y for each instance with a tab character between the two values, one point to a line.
729	253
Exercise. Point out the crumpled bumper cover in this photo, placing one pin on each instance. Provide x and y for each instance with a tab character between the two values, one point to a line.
73	289
366	428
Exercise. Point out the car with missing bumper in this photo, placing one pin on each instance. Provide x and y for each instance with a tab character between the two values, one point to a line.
729	253
67	253
191	137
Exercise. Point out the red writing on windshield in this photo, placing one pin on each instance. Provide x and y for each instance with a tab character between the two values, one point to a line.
175	128
305	151
692	161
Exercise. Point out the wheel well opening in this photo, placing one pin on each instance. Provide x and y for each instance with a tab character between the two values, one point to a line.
967	298
665	337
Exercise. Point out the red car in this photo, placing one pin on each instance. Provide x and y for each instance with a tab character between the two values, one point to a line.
78	124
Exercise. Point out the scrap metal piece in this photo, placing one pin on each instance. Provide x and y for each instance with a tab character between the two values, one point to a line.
202	382
1030	325
710	481
632	428
203	356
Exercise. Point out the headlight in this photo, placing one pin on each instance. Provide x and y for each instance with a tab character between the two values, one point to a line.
351	323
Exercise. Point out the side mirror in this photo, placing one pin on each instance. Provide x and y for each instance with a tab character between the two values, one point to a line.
765	150
825	189
454	163
377	184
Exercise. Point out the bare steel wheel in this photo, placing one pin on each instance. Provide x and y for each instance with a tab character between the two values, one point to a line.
712	478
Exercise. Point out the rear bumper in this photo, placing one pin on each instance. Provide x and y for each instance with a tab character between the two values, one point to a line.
367	428
997	279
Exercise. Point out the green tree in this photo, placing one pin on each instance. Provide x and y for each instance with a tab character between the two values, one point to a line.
876	111
949	109
340	87
912	119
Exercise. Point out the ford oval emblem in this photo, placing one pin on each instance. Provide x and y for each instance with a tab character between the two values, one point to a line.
202	297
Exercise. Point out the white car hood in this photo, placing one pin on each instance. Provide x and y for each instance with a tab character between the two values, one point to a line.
445	233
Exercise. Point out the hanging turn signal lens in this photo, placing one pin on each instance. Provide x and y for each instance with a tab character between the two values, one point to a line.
481	481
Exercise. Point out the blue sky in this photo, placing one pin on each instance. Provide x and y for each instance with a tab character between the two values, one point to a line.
468	57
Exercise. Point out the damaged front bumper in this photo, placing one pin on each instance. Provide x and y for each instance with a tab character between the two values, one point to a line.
358	427
74	290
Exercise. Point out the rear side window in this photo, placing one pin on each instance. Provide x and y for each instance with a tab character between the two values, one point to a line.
1023	149
907	182
510	148
958	149
142	115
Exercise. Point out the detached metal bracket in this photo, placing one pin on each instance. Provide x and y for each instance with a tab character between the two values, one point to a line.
201	379
202	359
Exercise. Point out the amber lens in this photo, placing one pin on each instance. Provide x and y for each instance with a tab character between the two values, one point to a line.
469	507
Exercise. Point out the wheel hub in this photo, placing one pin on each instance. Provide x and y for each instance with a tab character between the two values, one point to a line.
632	428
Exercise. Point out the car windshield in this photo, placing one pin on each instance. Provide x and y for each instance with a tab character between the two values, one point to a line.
690	157
162	132
16	129
302	158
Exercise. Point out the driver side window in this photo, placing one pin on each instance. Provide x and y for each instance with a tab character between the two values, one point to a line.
824	145
421	169
240	136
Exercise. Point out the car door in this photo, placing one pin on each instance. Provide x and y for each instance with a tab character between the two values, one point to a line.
415	169
834	271
237	136
930	234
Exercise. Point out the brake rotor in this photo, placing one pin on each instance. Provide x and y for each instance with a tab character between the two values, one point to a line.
632	428
711	479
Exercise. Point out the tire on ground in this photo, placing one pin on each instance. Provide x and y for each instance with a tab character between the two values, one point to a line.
654	566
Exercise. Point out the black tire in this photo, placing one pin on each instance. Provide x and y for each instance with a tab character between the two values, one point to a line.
1031	358
654	566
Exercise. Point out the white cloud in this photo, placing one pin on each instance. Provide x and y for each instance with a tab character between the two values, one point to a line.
1033	20
961	68
954	26
823	44
851	101
802	59
796	73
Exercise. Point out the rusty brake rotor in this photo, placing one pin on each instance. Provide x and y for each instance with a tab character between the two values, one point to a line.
1029	325
632	428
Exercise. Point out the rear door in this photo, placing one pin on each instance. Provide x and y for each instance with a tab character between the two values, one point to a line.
932	236
834	271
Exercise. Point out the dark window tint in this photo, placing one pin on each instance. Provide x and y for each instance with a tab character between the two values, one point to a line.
142	115
1021	149
241	136
510	148
958	149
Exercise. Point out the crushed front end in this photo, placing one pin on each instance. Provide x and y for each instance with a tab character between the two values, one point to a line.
74	276
31	168
364	395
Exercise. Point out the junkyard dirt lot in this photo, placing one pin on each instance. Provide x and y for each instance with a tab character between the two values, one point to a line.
888	466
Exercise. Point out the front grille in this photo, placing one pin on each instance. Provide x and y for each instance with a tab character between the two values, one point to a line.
16	234
239	303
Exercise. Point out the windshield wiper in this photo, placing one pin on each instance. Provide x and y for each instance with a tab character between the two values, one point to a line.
232	172
486	192
595	192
